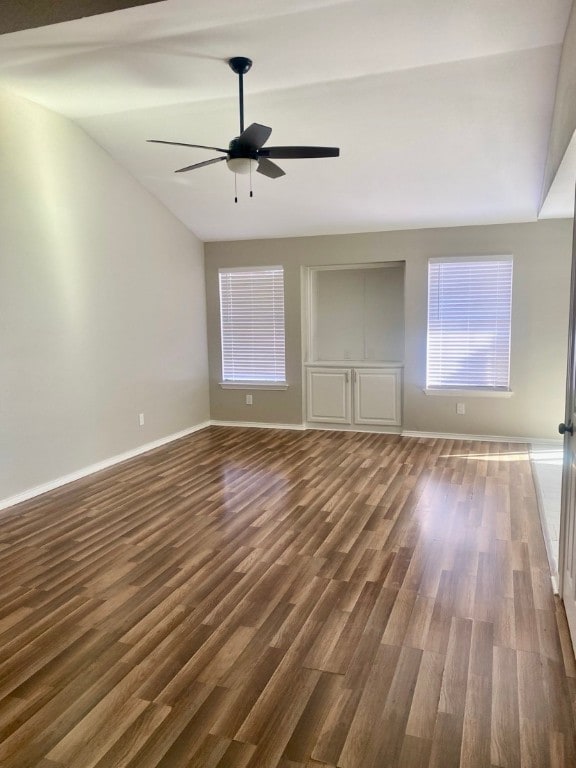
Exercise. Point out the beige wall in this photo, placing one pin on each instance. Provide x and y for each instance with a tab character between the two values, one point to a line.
542	254
102	305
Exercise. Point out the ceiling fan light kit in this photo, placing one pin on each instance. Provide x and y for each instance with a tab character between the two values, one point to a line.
242	165
246	152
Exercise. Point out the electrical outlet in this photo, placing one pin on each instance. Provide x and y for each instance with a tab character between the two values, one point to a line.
461	409
249	400
141	419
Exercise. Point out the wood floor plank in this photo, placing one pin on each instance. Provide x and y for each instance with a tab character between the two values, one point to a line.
422	718
390	740
505	731
134	736
476	729
415	753
359	746
309	726
246	598
447	741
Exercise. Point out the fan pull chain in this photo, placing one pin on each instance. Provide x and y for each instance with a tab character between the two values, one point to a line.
235	188
251	195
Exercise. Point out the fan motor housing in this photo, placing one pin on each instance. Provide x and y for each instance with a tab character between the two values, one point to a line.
237	149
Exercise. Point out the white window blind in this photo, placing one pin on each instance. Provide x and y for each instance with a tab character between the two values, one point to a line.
469	311
252	324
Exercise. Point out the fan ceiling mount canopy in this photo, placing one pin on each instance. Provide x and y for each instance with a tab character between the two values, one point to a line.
246	152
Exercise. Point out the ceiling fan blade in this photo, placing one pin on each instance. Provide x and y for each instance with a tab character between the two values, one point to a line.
292	153
199	165
181	144
255	136
268	168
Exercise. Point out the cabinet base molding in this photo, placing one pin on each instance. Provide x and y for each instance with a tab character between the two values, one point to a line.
374	428
257	424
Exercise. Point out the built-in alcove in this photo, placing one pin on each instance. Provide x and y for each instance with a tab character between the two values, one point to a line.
354	345
358	314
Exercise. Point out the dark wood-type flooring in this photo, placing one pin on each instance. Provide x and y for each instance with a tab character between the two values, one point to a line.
245	598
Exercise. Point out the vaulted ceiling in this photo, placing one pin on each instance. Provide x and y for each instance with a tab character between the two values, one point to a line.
442	110
26	14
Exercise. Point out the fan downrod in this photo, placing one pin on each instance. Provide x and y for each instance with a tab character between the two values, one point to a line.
240	65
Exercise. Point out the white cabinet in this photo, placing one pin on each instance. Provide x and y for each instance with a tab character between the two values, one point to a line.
354	395
377	396
329	395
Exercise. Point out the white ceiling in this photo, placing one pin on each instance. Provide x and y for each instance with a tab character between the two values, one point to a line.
442	109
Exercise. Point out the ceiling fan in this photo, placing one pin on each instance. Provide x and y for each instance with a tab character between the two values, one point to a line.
246	152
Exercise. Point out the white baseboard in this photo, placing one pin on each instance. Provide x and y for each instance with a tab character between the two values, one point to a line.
69	478
90	470
393	431
359	428
257	424
544	525
482	438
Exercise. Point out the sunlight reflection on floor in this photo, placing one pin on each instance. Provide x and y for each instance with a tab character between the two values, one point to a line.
503	456
547	466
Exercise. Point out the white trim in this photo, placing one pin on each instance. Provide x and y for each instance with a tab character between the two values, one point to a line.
352	364
10	501
254	385
544	523
447	392
569	605
92	468
257	424
474	259
371	428
360	265
484	438
261	268
387	430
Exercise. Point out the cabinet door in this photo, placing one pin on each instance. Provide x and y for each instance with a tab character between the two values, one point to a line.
377	396
329	398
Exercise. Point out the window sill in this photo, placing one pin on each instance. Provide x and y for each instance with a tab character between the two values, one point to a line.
448	392
254	385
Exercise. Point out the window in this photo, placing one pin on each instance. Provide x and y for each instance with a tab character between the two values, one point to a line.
469	308
252	325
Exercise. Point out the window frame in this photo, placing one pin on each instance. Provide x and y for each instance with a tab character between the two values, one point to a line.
256	383
474	389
